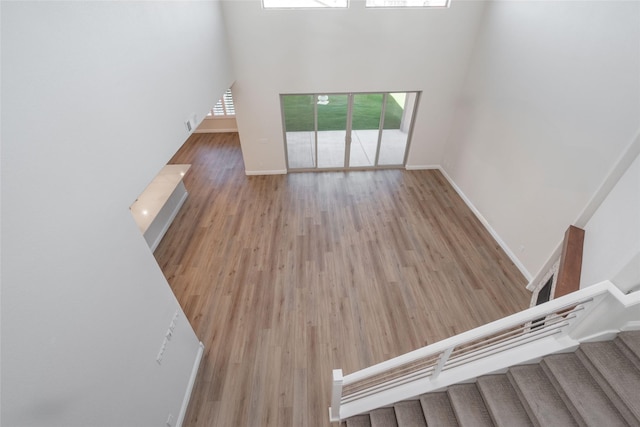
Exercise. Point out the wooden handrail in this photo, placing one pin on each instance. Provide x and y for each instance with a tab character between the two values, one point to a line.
570	262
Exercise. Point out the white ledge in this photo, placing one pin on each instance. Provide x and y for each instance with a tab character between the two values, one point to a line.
157	206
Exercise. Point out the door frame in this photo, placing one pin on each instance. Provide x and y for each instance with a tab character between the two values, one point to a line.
348	132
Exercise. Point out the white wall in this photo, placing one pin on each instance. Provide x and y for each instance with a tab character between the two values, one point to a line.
550	102
218	125
612	236
346	50
84	305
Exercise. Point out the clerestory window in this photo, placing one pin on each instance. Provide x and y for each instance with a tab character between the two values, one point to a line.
304	4
407	3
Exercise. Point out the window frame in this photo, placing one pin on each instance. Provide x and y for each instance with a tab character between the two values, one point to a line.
293	5
347	165
401	6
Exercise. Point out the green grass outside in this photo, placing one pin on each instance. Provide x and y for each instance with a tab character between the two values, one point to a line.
298	112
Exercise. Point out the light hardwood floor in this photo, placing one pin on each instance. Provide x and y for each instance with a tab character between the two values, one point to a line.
287	277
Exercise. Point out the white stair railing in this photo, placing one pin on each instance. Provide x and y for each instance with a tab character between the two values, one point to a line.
529	334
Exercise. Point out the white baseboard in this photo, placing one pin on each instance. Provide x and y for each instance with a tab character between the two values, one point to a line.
271	172
192	381
421	167
607	335
633	325
216	130
490	229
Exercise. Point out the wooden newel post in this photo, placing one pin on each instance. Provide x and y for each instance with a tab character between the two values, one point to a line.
570	262
336	395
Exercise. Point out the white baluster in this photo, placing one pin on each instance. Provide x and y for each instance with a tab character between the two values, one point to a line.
444	356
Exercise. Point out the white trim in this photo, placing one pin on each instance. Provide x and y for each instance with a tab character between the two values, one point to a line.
421	167
215	130
633	325
214	118
173	215
606	335
623	162
190	384
628	156
537	280
489	228
271	172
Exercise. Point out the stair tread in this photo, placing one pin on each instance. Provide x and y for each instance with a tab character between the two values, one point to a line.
359	421
596	385
629	343
580	391
437	410
631	339
502	401
383	417
409	414
620	372
468	405
540	399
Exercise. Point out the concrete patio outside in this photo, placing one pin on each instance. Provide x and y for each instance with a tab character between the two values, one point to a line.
331	149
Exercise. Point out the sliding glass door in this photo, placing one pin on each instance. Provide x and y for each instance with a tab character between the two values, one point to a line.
300	130
331	135
366	113
396	126
339	131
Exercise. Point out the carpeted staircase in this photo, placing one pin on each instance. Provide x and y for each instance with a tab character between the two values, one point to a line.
597	385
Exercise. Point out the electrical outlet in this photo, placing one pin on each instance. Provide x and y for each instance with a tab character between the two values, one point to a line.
170	420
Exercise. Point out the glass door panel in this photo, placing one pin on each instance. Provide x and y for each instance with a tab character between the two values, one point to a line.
332	130
395	130
365	127
337	131
299	125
